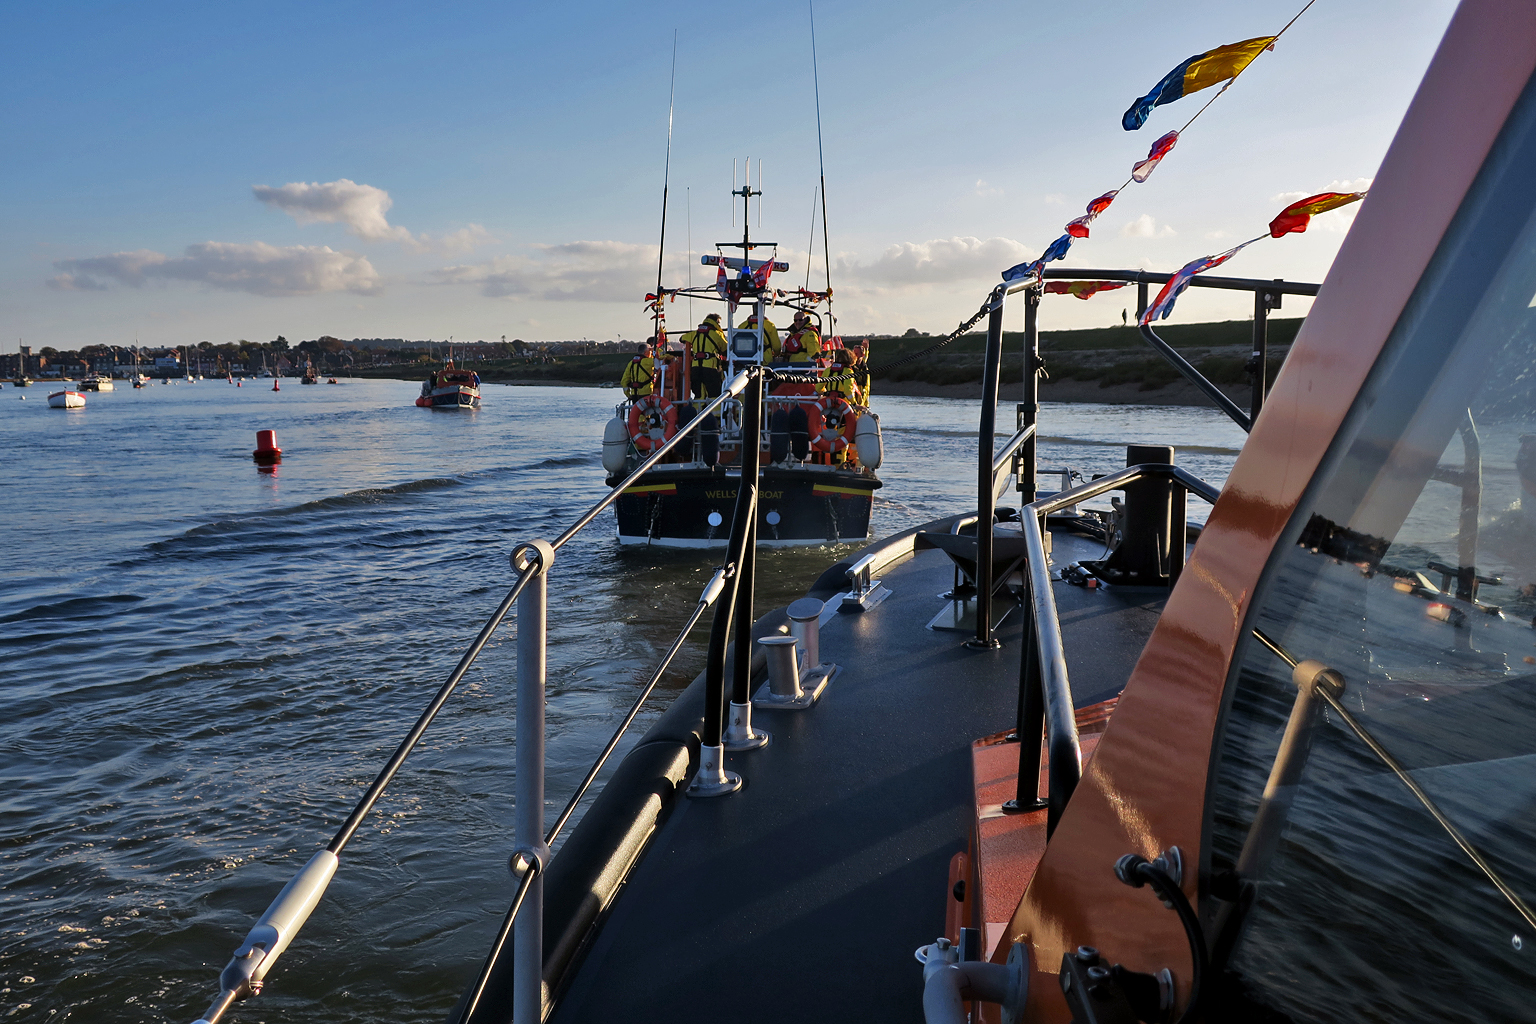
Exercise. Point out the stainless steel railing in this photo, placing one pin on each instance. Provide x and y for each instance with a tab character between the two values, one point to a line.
1045	688
282	921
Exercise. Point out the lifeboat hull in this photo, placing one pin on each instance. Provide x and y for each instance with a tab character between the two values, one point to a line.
66	400
797	506
451	396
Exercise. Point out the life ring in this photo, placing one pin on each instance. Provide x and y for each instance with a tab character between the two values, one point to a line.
648	415
833	422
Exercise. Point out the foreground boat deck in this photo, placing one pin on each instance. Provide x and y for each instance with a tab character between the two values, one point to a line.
804	895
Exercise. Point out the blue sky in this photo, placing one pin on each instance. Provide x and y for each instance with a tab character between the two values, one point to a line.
190	172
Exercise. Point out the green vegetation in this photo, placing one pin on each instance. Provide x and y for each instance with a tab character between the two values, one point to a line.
1111	355
585	369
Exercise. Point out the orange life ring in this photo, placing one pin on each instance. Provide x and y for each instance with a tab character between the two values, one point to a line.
833	423
648	415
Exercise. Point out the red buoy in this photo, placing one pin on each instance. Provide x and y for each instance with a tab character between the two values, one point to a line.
274	385
266	447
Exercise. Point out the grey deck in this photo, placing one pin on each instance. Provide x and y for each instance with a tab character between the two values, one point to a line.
802	896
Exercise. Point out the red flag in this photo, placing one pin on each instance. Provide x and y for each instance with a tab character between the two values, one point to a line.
761	273
1143	168
1296	216
1079	228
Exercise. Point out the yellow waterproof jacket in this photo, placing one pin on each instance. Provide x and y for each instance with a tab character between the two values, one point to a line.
707	346
639	377
802	346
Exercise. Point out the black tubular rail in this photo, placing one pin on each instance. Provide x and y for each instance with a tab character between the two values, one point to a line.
1022	446
243	977
1045	689
1266	296
740	557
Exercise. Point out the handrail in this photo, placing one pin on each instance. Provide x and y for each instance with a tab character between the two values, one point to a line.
1066	755
285	917
1241	284
1055	686
1003	460
530	865
1198	379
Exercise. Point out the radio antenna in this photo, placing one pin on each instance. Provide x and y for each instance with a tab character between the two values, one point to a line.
666	176
821	157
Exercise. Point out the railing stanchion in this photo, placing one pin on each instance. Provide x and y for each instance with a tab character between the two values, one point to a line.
712	779
1028	411
528	815
739	734
985	481
1031	723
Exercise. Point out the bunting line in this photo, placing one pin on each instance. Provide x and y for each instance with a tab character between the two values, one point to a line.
1223	64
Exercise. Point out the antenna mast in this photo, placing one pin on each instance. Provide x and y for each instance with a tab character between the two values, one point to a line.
826	250
666	176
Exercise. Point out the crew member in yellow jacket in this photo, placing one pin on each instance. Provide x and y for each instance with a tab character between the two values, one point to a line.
802	344
639	378
707	343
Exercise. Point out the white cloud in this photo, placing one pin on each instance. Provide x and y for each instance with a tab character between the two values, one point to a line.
361	209
1145	227
601	271
986	191
258	268
462	240
936	261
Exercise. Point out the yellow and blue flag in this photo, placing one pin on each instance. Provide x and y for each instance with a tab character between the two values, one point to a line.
1201	71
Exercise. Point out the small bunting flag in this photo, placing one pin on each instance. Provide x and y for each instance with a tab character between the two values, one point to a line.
1296	216
1201	71
1143	169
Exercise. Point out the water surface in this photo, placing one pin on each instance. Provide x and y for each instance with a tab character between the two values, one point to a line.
205	664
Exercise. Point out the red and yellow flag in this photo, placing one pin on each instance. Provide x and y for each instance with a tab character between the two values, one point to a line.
1296	216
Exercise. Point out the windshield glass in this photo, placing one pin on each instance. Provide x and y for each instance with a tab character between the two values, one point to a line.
1371	838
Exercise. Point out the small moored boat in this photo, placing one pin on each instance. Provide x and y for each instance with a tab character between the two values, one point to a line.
66	400
96	382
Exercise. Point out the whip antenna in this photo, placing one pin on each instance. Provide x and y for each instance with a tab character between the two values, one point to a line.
666	175
821	158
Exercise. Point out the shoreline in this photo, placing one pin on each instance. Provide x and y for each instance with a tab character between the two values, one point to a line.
1179	392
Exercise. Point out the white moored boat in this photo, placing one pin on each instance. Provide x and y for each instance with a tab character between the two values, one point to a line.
96	382
66	400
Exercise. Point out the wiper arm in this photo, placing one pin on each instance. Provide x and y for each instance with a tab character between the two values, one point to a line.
1330	694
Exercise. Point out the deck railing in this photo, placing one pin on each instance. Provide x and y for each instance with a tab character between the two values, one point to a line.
1045	688
285	917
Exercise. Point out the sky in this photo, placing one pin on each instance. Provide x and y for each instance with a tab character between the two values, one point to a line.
179	173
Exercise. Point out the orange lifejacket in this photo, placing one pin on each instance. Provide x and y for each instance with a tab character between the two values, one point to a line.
649	416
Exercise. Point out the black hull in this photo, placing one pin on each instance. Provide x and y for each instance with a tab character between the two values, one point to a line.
671	506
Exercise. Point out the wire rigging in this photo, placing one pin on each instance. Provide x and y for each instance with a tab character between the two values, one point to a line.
666	177
821	156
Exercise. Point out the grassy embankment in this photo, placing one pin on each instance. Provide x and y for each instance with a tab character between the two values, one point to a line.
1110	356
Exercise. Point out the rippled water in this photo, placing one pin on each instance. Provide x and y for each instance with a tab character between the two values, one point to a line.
205	664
